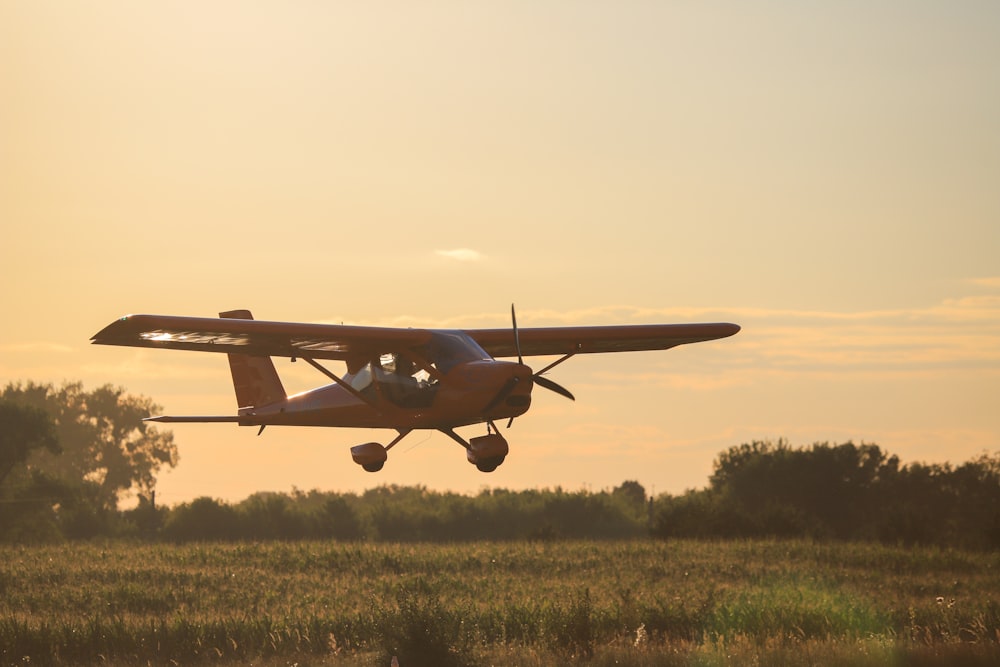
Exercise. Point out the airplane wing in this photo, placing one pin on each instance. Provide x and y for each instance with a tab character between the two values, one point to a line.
583	340
341	342
257	337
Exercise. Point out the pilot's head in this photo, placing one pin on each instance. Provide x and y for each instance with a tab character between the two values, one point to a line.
403	366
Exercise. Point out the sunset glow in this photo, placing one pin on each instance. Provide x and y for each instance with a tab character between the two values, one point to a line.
826	176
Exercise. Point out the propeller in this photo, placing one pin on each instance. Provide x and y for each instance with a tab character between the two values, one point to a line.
553	386
537	377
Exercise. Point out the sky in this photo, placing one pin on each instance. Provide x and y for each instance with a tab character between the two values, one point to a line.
826	175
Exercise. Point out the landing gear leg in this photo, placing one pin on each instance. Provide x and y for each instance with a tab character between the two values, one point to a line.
402	434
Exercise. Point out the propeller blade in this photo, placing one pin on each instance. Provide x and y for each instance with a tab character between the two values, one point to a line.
552	386
517	339
502	394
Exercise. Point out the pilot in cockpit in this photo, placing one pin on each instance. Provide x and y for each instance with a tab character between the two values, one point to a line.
399	384
403	370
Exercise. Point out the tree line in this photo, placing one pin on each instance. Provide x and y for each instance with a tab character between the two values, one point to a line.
839	491
67	456
406	514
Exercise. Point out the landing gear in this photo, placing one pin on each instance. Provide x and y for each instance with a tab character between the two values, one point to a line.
489	465
372	456
486	452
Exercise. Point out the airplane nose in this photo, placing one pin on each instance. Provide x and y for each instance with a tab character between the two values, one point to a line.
518	400
515	391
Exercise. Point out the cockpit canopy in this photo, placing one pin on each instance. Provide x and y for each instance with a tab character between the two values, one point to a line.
410	378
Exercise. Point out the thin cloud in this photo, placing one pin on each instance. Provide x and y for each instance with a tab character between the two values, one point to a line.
991	282
36	346
462	254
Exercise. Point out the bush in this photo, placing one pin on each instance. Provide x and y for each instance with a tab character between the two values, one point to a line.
202	519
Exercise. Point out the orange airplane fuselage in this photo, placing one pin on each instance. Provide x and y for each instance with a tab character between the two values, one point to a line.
465	395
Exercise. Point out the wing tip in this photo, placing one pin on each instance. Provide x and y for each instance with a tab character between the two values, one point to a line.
112	332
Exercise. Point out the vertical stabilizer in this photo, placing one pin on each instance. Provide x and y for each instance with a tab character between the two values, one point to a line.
254	378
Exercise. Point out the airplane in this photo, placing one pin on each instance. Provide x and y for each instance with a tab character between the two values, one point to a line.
399	379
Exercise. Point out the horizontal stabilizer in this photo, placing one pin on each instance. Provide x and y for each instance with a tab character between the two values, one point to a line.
195	420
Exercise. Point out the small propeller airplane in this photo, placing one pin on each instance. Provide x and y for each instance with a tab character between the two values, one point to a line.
400	379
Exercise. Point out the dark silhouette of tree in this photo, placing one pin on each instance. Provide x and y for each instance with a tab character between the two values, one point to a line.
976	489
23	429
632	494
28	511
103	437
203	519
825	490
38	507
843	491
339	519
269	516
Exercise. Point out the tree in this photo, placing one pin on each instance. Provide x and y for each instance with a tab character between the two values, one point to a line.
202	519
103	437
23	429
633	492
26	510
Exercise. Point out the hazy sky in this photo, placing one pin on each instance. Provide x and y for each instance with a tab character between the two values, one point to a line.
827	175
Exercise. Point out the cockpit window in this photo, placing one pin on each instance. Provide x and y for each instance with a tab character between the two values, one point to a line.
395	378
411	379
447	349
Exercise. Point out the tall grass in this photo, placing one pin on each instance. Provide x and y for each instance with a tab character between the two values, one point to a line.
640	602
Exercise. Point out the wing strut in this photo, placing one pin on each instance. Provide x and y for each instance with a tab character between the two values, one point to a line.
340	381
555	363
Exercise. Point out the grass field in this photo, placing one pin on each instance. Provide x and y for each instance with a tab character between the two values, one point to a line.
603	603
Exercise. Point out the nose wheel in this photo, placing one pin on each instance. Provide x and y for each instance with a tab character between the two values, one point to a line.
489	465
486	452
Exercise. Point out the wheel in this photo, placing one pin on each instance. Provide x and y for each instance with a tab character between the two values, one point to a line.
490	464
370	456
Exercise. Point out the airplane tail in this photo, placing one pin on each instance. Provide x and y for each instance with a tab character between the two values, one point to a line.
254	378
